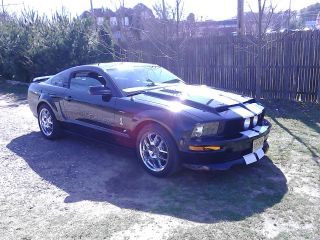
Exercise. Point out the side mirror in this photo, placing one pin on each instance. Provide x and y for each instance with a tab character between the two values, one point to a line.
100	90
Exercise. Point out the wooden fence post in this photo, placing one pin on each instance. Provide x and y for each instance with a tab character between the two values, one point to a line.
289	67
318	93
287	48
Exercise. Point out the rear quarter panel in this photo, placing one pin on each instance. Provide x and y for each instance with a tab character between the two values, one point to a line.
45	93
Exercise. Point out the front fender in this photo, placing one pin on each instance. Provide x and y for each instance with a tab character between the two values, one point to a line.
177	124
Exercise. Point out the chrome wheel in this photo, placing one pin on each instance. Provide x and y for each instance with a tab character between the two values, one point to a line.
45	120
154	151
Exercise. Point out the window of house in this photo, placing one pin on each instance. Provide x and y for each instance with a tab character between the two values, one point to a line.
113	21
100	21
126	21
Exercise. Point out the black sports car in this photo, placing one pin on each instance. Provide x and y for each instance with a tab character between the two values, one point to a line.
171	124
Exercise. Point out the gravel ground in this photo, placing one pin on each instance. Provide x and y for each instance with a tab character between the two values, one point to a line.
75	188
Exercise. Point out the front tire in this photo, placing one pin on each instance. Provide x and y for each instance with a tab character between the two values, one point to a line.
48	124
157	151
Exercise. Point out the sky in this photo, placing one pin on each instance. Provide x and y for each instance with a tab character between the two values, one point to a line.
203	9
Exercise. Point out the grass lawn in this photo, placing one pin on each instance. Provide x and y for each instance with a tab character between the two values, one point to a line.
276	198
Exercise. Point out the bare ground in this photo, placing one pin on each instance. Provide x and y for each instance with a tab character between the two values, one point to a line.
75	188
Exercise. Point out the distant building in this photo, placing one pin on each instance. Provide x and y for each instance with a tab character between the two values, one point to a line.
311	24
126	24
208	27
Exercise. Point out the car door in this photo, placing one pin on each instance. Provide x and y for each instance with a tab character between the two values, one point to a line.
87	110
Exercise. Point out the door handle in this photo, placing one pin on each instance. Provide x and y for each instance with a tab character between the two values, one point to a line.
68	98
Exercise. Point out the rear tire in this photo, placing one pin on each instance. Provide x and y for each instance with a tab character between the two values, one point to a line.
157	151
48	124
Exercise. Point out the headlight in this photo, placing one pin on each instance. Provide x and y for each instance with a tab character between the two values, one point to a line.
255	120
205	129
246	123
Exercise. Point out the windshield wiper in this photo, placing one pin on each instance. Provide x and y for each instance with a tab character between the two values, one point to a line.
176	80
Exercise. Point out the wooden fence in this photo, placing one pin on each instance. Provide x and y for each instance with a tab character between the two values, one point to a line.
290	63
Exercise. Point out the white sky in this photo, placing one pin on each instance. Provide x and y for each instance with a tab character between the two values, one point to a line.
208	9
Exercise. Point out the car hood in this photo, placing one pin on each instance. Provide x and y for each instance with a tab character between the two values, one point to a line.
194	99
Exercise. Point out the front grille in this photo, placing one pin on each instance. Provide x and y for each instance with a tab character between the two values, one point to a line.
234	126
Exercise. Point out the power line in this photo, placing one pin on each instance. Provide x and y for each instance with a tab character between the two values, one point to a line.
8	5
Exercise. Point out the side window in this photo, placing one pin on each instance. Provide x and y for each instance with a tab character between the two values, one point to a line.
81	81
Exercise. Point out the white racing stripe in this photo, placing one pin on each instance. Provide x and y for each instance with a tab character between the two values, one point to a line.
217	96
233	96
242	112
250	158
254	107
250	133
260	153
261	129
225	100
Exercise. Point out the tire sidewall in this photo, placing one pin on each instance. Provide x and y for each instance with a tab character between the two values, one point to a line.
56	127
173	164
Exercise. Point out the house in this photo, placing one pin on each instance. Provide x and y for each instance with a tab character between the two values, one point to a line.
126	24
209	27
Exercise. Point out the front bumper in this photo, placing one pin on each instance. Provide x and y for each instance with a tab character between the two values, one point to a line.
234	151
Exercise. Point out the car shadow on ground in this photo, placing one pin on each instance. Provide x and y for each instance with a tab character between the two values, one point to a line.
93	171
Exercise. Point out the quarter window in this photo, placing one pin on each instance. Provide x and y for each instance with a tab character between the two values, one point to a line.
58	81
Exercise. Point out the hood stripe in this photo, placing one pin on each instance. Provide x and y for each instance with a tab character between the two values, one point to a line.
254	107
244	113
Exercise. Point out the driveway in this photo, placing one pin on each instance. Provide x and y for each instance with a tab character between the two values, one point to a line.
76	188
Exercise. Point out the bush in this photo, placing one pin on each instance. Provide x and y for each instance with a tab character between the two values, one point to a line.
33	45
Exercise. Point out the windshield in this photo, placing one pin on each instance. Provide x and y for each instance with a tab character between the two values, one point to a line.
135	78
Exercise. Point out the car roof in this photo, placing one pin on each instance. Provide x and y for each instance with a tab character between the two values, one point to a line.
112	65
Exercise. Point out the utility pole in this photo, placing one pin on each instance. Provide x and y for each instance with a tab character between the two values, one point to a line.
91	4
164	11
8	5
241	17
2	4
164	20
92	15
289	17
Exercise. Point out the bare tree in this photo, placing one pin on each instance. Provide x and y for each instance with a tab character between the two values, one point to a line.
179	11
262	20
170	16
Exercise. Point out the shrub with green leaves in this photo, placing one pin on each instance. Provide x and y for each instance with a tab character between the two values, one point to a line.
33	45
